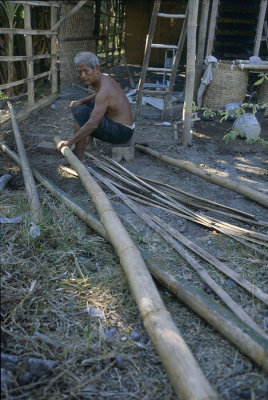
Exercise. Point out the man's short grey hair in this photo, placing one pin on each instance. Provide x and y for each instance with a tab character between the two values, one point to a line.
87	58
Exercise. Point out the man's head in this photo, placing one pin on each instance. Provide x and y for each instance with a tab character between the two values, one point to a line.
88	67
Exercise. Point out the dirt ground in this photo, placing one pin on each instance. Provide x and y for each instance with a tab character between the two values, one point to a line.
232	374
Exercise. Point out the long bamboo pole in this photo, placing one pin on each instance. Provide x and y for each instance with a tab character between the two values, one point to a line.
223	320
219	317
190	73
191	260
29	52
88	218
4	181
185	375
212	27
261	18
237	187
201	43
31	192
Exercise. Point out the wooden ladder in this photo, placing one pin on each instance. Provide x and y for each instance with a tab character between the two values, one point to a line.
145	67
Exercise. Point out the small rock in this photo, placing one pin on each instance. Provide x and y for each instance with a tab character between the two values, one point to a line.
239	368
8	361
94	312
230	283
53	106
123	338
109	332
38	366
6	378
134	336
119	362
25	378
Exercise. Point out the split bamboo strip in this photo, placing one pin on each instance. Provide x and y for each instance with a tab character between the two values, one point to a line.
237	187
27	58
53	41
4	181
165	208
185	375
250	287
216	315
224	321
31	192
190	72
197	267
36	3
201	219
19	31
62	196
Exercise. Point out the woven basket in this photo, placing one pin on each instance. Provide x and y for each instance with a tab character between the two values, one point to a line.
228	85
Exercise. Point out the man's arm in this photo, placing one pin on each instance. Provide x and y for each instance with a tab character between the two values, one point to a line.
80	102
98	112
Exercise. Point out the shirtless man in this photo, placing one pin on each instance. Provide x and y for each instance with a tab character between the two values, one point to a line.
105	115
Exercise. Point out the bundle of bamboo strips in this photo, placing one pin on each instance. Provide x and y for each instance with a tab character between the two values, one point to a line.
197	266
184	373
160	199
225	322
237	187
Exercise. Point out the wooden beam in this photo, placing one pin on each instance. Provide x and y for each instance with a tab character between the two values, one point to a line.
212	27
27	58
258	37
29	53
18	31
20	82
36	3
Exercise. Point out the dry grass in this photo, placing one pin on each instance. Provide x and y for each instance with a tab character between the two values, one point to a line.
75	275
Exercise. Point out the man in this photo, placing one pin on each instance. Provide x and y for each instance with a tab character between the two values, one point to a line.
105	115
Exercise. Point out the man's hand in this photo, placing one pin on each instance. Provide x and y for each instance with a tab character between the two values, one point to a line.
76	103
63	143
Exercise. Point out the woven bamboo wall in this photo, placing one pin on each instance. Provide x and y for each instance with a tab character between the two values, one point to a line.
75	35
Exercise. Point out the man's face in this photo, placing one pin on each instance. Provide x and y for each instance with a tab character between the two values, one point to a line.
86	73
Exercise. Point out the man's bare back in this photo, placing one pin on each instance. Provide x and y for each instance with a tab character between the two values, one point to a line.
110	102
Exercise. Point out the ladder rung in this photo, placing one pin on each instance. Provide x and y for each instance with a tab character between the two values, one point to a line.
156	92
164	46
159	69
171	15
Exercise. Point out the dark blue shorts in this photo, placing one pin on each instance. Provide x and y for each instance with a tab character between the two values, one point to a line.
108	130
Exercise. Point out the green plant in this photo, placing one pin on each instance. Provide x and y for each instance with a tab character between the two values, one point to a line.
257	139
262	77
232	134
2	95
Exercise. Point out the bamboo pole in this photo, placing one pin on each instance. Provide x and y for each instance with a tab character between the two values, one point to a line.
25	80
196	266
190	73
185	375
20	31
36	3
4	181
31	192
132	83
248	341
237	187
53	40
68	15
258	37
88	218
212	27
253	67
29	53
201	44
219	317
27	58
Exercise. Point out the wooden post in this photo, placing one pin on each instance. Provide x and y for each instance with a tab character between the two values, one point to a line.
200	52
212	27
258	37
190	72
29	52
54	74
